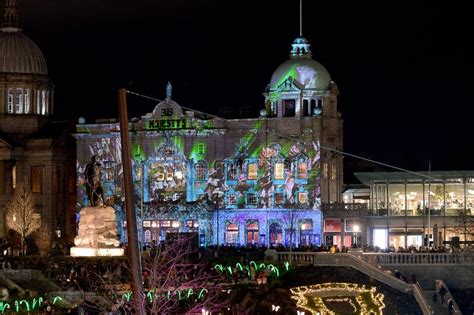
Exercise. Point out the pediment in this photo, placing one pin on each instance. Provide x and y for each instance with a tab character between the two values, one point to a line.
290	85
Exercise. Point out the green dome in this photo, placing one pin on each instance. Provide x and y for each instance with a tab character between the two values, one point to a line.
301	67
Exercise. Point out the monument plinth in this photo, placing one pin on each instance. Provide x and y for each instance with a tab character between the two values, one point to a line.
97	234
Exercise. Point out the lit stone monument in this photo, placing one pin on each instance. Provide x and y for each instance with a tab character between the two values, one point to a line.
97	234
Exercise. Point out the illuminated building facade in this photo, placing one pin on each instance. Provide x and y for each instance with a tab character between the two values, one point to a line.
32	145
402	209
239	181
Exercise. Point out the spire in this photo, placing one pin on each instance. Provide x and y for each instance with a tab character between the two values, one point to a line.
301	18
169	90
10	20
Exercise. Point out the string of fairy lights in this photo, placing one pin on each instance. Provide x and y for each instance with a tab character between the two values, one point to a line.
394	167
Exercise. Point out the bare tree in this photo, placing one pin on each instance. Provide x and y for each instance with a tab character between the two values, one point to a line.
176	281
21	216
466	224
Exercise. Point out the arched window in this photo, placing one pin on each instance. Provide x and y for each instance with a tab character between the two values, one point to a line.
276	234
306	232
147	237
232	234
201	171
252	233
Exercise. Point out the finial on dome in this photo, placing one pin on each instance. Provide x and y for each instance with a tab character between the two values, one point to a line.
10	22
301	48
169	90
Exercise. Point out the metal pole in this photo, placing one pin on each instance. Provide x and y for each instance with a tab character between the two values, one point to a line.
429	202
133	252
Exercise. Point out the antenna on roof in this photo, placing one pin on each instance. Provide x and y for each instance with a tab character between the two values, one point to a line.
301	17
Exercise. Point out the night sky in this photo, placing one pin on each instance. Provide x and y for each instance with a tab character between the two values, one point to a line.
404	69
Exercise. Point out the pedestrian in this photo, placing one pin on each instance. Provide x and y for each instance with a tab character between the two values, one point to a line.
442	293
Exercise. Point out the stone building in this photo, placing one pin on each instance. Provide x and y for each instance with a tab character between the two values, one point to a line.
32	145
233	181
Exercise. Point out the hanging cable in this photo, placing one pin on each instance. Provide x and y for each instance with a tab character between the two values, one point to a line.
296	139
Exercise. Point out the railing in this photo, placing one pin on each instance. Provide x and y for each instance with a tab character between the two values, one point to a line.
357	262
448	297
418	258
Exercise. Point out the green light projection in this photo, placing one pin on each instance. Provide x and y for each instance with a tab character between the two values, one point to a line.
291	72
198	151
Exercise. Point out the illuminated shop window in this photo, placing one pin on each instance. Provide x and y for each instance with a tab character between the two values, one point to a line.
36	179
192	223
10	101
302	197
146	223
333	171
165	223
251	198
232	199
325	170
276	234
27	101
302	170
279	170
175	224
279	198
19	101
155	224
252	171
232	233
306	232
201	149
201	170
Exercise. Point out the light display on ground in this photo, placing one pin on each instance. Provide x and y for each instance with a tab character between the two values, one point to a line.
21	306
257	267
347	298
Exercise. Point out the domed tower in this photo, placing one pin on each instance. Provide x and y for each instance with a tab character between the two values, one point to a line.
302	95
25	88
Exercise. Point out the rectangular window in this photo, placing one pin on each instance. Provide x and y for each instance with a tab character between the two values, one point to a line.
10	101
27	101
278	197
289	108
232	172
333	172
232	200
252	171
14	176
279	171
252	199
201	148
302	170
43	102
36	179
155	224
200	171
19	101
325	170
38	102
146	223
302	197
